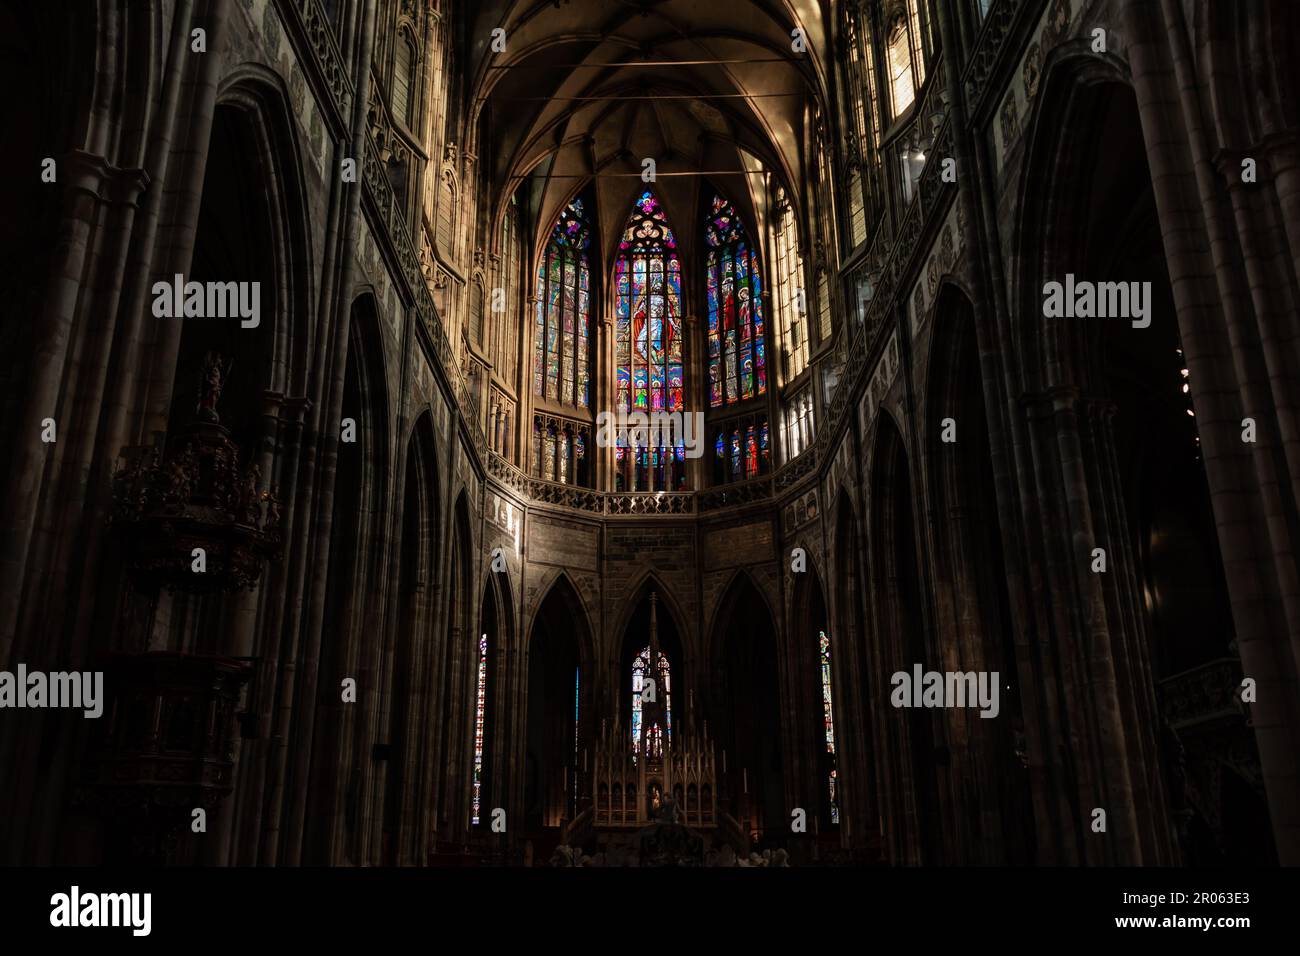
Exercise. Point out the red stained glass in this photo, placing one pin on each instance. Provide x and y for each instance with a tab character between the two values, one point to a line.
736	360
563	311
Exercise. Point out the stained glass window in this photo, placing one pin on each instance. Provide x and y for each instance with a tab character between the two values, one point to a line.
402	79
905	55
548	454
505	320
648	341
480	714
899	60
799	430
922	41
663	693
742	450
560	362
828	718
791	301
737	362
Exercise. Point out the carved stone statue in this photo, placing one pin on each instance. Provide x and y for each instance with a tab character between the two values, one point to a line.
252	496
176	476
273	509
211	382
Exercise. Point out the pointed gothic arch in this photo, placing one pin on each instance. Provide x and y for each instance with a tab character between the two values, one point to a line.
1129	443
735	311
632	633
745	714
912	800
495	648
851	667
1078	84
353	532
740	579
817	666
559	703
972	598
649	334
458	658
567	292
263	99
404	836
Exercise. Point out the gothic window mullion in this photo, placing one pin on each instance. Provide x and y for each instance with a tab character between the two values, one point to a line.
559	334
737	362
563	311
648	330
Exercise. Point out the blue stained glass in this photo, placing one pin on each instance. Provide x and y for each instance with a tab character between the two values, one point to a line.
648	295
564	303
735	328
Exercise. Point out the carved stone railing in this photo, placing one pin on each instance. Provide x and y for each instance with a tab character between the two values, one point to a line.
636	503
796	468
319	32
542	491
741	493
989	45
570	496
382	125
381	193
507	474
470	412
398	237
1204	694
650	503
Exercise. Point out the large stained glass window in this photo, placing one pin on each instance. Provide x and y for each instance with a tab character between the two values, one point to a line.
791	302
480	715
737	363
905	57
899	58
663	694
648	343
864	172
828	718
560	362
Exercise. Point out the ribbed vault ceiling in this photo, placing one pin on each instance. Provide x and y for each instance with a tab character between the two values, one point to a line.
587	89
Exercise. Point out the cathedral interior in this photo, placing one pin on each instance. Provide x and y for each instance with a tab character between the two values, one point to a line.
571	432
